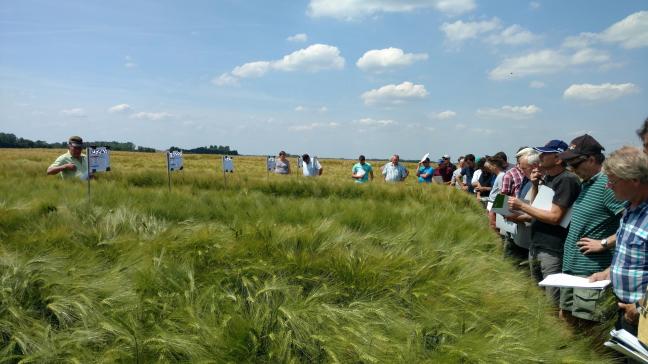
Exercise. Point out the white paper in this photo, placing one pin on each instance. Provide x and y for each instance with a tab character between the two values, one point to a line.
271	163
505	226
568	280
228	164
630	341
175	160
427	155
360	172
500	205
98	159
437	179
623	349
544	200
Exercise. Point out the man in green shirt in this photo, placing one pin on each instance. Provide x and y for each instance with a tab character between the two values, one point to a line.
596	215
72	164
362	171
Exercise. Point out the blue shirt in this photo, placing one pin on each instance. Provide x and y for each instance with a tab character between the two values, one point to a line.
426	170
629	269
367	169
394	173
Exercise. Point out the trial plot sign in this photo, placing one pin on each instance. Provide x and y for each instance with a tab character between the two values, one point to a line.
228	164
271	162
98	159
176	162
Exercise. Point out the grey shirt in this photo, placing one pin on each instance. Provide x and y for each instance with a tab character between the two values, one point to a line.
282	167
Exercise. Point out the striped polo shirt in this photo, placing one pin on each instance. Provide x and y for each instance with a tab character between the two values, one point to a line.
596	214
629	269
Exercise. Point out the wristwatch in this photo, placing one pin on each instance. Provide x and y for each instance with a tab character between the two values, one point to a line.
604	243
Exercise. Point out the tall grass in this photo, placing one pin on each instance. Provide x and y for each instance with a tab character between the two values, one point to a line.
258	268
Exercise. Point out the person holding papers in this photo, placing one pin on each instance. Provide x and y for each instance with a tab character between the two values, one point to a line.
595	219
496	166
394	172
72	164
425	171
362	171
311	168
627	173
547	233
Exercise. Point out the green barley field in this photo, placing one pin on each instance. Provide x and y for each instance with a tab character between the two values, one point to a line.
258	269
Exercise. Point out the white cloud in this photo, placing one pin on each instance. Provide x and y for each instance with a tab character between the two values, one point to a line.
153	116
251	69
510	112
460	31
129	62
583	40
311	126
631	32
378	60
225	79
374	122
354	9
513	35
534	5
298	38
445	115
121	108
589	55
394	94
537	84
300	108
606	91
323	109
75	112
544	62
316	57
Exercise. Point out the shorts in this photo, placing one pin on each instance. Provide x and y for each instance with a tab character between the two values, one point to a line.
587	304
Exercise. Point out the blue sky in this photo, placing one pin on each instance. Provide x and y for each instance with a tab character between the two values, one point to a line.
332	78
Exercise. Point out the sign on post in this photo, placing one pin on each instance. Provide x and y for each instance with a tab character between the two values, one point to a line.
228	164
271	162
98	159
175	160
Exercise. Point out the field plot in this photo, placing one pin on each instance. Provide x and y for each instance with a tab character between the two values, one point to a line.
259	269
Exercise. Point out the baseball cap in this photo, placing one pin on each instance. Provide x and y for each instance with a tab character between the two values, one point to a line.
582	146
553	146
75	141
445	156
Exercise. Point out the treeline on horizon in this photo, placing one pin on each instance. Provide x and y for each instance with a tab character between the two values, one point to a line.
11	141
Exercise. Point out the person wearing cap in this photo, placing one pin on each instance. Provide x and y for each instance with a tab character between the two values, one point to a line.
282	165
456	174
362	171
311	168
547	234
596	214
445	169
425	171
394	172
627	177
72	164
467	171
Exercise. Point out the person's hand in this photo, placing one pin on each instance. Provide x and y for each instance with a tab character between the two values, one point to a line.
590	246
514	218
630	313
69	167
514	203
464	188
599	276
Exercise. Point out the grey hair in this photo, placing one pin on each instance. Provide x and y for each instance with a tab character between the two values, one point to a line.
532	156
628	163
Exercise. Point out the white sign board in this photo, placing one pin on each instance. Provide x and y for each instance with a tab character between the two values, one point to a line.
271	162
98	159
175	160
228	164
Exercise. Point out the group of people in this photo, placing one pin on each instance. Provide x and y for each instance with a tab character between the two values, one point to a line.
596	225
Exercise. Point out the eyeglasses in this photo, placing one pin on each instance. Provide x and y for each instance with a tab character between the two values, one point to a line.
578	162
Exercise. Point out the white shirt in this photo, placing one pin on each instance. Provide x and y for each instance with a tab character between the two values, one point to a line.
312	169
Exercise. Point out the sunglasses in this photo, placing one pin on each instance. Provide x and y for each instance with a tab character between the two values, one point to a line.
578	162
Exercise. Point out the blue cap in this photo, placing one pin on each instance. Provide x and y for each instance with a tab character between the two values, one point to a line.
554	146
441	160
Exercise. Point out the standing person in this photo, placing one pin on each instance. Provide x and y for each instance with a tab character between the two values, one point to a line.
496	166
425	171
362	171
72	164
627	172
282	165
456	175
467	171
594	222
643	135
311	168
547	235
394	172
512	180
445	169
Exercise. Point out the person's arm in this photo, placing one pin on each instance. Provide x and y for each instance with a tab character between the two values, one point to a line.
404	174
519	218
418	170
57	169
553	216
600	276
590	246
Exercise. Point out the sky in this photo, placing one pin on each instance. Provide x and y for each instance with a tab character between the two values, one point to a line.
332	78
